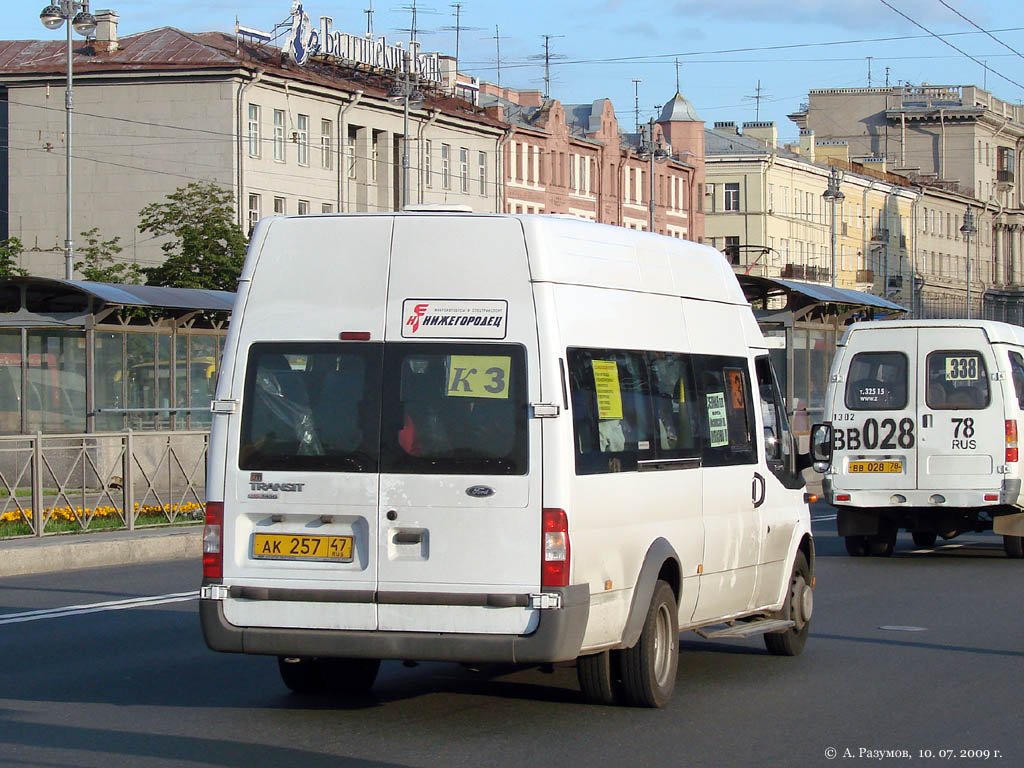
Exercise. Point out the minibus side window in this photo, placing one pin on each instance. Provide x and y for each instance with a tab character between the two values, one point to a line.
777	435
877	381
727	410
957	380
1017	373
676	425
613	410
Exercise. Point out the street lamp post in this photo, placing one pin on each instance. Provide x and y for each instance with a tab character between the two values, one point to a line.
84	23
967	230
403	93
834	195
655	154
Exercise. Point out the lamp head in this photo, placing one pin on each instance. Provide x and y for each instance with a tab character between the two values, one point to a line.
84	23
52	17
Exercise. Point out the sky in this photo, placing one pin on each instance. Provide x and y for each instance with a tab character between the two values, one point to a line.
729	52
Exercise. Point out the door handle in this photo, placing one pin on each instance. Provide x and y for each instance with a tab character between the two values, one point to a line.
407	537
757	490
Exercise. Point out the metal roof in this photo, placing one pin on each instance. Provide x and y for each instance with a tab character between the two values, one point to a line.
822	293
155	296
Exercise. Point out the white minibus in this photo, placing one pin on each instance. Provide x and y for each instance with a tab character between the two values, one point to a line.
921	432
496	438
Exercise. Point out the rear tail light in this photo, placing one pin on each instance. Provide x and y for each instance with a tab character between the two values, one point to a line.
213	554
555	564
1011	441
842	497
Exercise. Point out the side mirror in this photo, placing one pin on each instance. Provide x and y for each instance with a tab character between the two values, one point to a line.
771	445
821	446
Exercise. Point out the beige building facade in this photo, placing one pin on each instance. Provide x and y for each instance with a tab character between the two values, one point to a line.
158	110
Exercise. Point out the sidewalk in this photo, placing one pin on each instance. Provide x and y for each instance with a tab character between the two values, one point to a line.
21	557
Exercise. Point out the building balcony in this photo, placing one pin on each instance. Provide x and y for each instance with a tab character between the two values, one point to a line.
879	234
1004	177
865	276
806	272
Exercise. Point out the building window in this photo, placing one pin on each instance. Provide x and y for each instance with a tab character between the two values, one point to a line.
375	155
530	179
303	207
350	155
463	169
481	164
254	130
732	249
446	171
254	211
572	172
428	150
302	139
326	208
279	135
280	206
326	156
732	197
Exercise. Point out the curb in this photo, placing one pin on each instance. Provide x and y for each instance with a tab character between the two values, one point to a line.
23	557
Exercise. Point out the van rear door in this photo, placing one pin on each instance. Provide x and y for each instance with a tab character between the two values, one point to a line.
961	411
875	411
459	537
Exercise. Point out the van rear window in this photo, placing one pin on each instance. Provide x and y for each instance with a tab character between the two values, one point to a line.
429	408
957	380
877	381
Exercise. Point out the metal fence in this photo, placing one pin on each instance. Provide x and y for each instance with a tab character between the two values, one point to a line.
52	484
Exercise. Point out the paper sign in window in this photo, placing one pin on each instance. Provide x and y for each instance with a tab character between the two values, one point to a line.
736	389
718	423
478	376
606	384
962	368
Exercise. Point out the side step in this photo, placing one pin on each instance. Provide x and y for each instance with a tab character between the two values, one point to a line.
746	629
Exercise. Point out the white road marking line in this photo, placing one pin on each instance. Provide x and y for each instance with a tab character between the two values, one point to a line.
110	605
824	518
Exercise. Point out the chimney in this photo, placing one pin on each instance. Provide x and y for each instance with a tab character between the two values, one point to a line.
727	126
765	132
106	31
876	163
832	149
807	144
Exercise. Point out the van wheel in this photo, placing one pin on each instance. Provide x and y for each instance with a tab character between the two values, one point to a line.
649	667
1014	546
598	677
883	543
924	538
798	608
856	546
321	675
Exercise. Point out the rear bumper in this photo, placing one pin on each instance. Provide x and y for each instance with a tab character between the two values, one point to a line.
558	637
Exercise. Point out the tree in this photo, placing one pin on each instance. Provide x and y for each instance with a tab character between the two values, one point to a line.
98	261
10	251
207	249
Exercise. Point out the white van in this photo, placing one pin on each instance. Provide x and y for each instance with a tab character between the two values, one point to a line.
489	438
922	418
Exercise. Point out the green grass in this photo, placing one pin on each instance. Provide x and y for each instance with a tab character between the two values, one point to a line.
21	528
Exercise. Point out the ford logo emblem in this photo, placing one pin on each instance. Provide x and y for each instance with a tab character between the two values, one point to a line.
479	491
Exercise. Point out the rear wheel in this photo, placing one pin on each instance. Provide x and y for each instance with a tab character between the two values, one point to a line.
798	608
312	675
1014	546
597	675
883	543
856	546
924	538
649	667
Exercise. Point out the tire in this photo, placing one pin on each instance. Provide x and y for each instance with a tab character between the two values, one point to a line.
856	546
1014	546
883	543
598	677
648	669
799	607
322	675
924	539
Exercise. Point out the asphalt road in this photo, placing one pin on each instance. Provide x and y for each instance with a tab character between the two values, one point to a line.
131	683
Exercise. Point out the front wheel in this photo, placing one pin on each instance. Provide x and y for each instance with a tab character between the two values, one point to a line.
883	544
856	546
1014	546
315	675
649	667
924	539
798	608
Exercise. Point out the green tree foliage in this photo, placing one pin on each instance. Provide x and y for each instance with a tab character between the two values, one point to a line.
207	247
98	261
10	250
